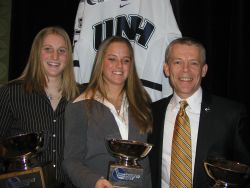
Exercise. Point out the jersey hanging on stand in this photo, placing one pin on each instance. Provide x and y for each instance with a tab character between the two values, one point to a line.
150	26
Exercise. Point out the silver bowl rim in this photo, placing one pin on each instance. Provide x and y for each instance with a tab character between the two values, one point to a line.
133	142
212	161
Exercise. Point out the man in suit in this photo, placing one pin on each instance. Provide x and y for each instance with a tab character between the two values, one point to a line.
216	123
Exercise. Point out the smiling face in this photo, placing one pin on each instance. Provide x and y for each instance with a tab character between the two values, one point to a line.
116	64
54	55
185	69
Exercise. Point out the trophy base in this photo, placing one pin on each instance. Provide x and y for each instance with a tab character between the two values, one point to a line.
36	177
125	176
32	178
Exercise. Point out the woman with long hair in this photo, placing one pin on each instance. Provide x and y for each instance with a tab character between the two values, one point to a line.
35	102
114	105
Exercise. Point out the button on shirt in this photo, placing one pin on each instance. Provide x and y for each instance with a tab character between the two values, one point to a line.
25	113
193	112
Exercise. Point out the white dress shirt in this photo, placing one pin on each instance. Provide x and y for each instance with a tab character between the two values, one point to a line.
121	117
193	112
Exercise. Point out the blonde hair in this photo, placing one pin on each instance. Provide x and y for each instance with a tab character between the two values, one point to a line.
139	100
34	76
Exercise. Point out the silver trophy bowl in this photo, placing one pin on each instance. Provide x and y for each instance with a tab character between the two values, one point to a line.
226	173
20	151
128	152
125	171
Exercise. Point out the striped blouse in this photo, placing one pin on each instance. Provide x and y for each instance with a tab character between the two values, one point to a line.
21	113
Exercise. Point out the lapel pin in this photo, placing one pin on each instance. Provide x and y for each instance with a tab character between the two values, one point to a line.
207	109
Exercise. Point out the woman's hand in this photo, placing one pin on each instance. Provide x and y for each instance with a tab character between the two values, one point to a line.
103	183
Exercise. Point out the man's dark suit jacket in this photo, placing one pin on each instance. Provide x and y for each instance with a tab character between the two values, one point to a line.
221	124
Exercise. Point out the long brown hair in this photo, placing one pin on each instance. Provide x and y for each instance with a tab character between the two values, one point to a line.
34	76
138	98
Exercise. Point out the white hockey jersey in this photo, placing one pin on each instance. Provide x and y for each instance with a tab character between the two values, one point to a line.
150	26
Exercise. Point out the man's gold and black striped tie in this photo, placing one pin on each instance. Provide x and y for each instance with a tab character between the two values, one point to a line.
181	157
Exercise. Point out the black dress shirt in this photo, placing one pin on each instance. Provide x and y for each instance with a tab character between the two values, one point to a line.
22	113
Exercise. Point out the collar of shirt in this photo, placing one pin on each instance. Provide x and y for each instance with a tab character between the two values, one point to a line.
122	117
194	102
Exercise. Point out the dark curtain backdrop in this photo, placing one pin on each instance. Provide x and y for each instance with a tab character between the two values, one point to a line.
28	18
221	26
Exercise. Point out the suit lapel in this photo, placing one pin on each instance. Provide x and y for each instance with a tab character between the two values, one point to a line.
203	140
159	112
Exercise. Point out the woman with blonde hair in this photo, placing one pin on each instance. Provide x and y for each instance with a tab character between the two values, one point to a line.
114	105
35	102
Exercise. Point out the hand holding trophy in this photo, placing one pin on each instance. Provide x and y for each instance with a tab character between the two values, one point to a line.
126	172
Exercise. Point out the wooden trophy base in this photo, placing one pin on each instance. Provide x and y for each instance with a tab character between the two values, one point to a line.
31	178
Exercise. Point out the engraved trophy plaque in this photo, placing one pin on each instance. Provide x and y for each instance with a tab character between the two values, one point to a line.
22	169
125	171
227	174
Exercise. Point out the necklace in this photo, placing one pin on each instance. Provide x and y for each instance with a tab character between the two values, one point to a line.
118	110
117	104
51	98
